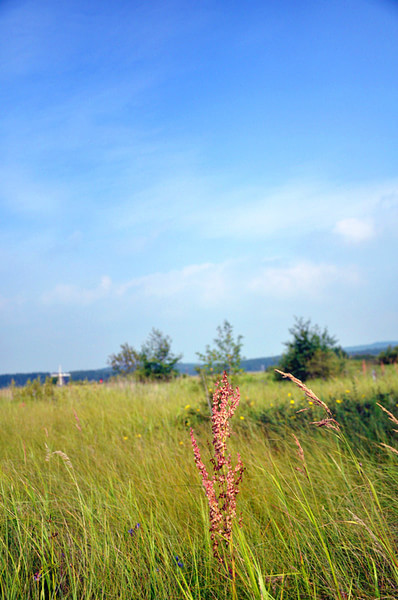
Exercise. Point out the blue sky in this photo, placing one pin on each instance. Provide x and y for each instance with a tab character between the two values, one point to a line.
172	164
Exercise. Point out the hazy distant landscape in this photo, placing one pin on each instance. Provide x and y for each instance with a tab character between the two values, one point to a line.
250	365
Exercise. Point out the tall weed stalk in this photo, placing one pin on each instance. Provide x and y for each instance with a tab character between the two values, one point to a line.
222	487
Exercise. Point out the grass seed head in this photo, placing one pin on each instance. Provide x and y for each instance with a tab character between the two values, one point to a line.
329	422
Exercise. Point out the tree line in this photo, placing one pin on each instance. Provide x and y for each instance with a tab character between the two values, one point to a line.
311	352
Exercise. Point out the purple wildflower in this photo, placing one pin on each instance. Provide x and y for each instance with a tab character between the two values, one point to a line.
133	529
179	562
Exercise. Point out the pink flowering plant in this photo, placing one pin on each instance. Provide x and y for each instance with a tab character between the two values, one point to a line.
222	487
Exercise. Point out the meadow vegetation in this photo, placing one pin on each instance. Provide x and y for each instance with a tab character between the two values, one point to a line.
100	496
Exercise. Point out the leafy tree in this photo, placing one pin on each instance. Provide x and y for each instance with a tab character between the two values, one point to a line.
156	360
126	361
389	356
226	354
312	352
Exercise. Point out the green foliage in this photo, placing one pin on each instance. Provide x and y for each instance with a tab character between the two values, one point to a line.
226	354
125	362
325	364
360	418
156	360
312	352
389	356
34	390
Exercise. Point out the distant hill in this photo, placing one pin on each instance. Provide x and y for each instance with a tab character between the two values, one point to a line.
259	364
373	349
249	364
22	378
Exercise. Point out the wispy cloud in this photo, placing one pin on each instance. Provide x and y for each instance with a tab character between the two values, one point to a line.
302	278
355	231
207	283
73	294
210	285
217	210
299	207
203	285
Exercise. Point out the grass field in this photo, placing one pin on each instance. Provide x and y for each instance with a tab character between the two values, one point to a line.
100	496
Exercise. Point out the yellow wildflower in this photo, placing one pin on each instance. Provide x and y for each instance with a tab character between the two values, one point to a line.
187	406
242	418
339	401
292	401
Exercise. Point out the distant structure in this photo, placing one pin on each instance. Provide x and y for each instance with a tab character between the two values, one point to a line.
60	376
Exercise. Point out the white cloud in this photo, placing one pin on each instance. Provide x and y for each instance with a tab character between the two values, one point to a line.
301	279
210	285
214	209
354	230
205	284
300	207
73	294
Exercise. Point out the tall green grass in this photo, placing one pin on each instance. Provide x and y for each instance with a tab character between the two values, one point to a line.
80	471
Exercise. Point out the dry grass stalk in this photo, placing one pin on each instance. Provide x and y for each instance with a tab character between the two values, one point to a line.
77	421
394	450
390	415
376	540
329	422
64	456
309	393
301	456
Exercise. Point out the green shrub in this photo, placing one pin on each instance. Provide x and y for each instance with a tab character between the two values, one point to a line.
311	353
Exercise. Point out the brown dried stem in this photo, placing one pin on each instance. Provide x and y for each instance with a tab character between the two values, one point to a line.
328	422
